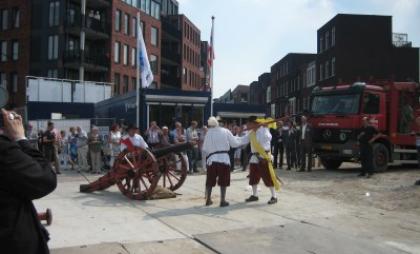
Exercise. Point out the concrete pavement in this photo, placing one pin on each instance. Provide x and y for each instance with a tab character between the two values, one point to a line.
107	222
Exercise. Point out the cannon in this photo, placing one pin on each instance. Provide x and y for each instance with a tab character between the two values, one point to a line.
47	217
137	173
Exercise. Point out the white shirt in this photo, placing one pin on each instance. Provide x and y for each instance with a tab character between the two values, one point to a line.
136	140
303	131
219	139
264	138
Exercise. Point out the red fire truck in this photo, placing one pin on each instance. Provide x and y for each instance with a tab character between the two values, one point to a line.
336	116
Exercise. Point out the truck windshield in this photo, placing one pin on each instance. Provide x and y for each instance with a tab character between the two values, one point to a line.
336	104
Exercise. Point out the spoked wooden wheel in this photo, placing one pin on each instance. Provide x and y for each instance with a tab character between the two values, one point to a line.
139	171
173	171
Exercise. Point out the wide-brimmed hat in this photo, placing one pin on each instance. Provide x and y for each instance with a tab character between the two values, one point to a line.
212	122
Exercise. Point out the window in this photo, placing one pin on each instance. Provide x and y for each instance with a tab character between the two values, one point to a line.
125	82
155	10
154	64
125	54
321	44
126	24
16	18
3	51
333	66
142	26
148	7
117	48
327	40
321	72
3	80
327	69
116	83
134	27
185	73
52	73
14	81
52	47
4	20
133	83
333	37
133	57
117	20
54	14
15	50
371	103
154	37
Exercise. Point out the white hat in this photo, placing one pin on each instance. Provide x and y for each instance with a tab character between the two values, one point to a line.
212	122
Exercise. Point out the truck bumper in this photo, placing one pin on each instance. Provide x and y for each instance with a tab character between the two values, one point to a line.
346	151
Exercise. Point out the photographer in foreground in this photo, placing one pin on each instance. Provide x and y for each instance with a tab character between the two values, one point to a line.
25	175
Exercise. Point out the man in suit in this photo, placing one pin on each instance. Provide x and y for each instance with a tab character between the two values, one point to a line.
305	137
26	175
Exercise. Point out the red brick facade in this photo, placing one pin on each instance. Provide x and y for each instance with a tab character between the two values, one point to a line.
20	34
128	72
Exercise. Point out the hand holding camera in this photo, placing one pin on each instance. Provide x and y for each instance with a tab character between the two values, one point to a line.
13	126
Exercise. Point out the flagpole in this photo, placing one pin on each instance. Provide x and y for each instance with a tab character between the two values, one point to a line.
138	73
212	68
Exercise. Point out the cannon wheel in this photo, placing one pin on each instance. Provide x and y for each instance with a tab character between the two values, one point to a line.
173	171
139	171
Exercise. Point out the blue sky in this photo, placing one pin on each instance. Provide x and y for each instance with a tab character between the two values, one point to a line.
251	35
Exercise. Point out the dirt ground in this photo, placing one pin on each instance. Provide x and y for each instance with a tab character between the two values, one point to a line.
392	190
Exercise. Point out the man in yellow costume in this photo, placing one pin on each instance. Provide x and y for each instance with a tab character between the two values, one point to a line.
261	160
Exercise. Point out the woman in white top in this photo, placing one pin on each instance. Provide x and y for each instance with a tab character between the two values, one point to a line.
114	142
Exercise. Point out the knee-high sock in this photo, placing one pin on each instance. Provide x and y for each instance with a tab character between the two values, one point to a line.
273	192
208	194
255	190
223	194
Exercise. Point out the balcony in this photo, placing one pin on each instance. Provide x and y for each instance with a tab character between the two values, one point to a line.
94	28
94	3
93	61
171	30
171	55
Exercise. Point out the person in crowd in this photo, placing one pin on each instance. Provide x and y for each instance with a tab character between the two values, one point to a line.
193	154
114	143
279	140
133	139
246	150
180	138
203	134
57	149
368	135
82	149
64	155
217	144
237	151
305	137
40	142
260	139
49	140
95	150
166	139
72	141
292	146
153	135
26	175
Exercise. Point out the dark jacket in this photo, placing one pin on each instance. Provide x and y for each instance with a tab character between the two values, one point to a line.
308	136
25	175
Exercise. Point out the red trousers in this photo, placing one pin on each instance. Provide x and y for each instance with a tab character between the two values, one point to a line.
258	171
220	172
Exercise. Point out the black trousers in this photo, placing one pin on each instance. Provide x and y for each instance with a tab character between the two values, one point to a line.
278	150
305	152
366	158
291	157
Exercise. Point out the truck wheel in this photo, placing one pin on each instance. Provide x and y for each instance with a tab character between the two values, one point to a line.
330	163
380	157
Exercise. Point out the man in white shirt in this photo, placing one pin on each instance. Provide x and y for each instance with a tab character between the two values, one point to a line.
133	140
259	167
216	146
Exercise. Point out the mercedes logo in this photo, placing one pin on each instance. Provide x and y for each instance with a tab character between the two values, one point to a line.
327	134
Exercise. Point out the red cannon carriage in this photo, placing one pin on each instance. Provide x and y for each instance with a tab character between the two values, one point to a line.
137	173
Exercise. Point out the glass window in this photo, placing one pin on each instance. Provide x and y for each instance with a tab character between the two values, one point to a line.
15	50
4	19
321	72
117	48
54	14
16	18
14	80
333	66
125	82
117	20
3	51
327	69
154	36
143	5
142	27
133	83
327	40
52	47
133	57
125	54
52	73
333	36
126	24
154	64
116	83
134	27
3	80
148	7
371	103
155	10
336	104
321	44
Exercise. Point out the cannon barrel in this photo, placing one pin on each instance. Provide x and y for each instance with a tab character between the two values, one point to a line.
102	183
171	149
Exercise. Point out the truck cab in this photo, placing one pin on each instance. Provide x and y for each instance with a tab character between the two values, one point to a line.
336	117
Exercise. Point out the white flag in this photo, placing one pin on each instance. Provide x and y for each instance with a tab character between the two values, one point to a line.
146	73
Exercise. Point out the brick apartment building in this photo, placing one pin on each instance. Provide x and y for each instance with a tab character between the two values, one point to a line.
259	91
361	48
